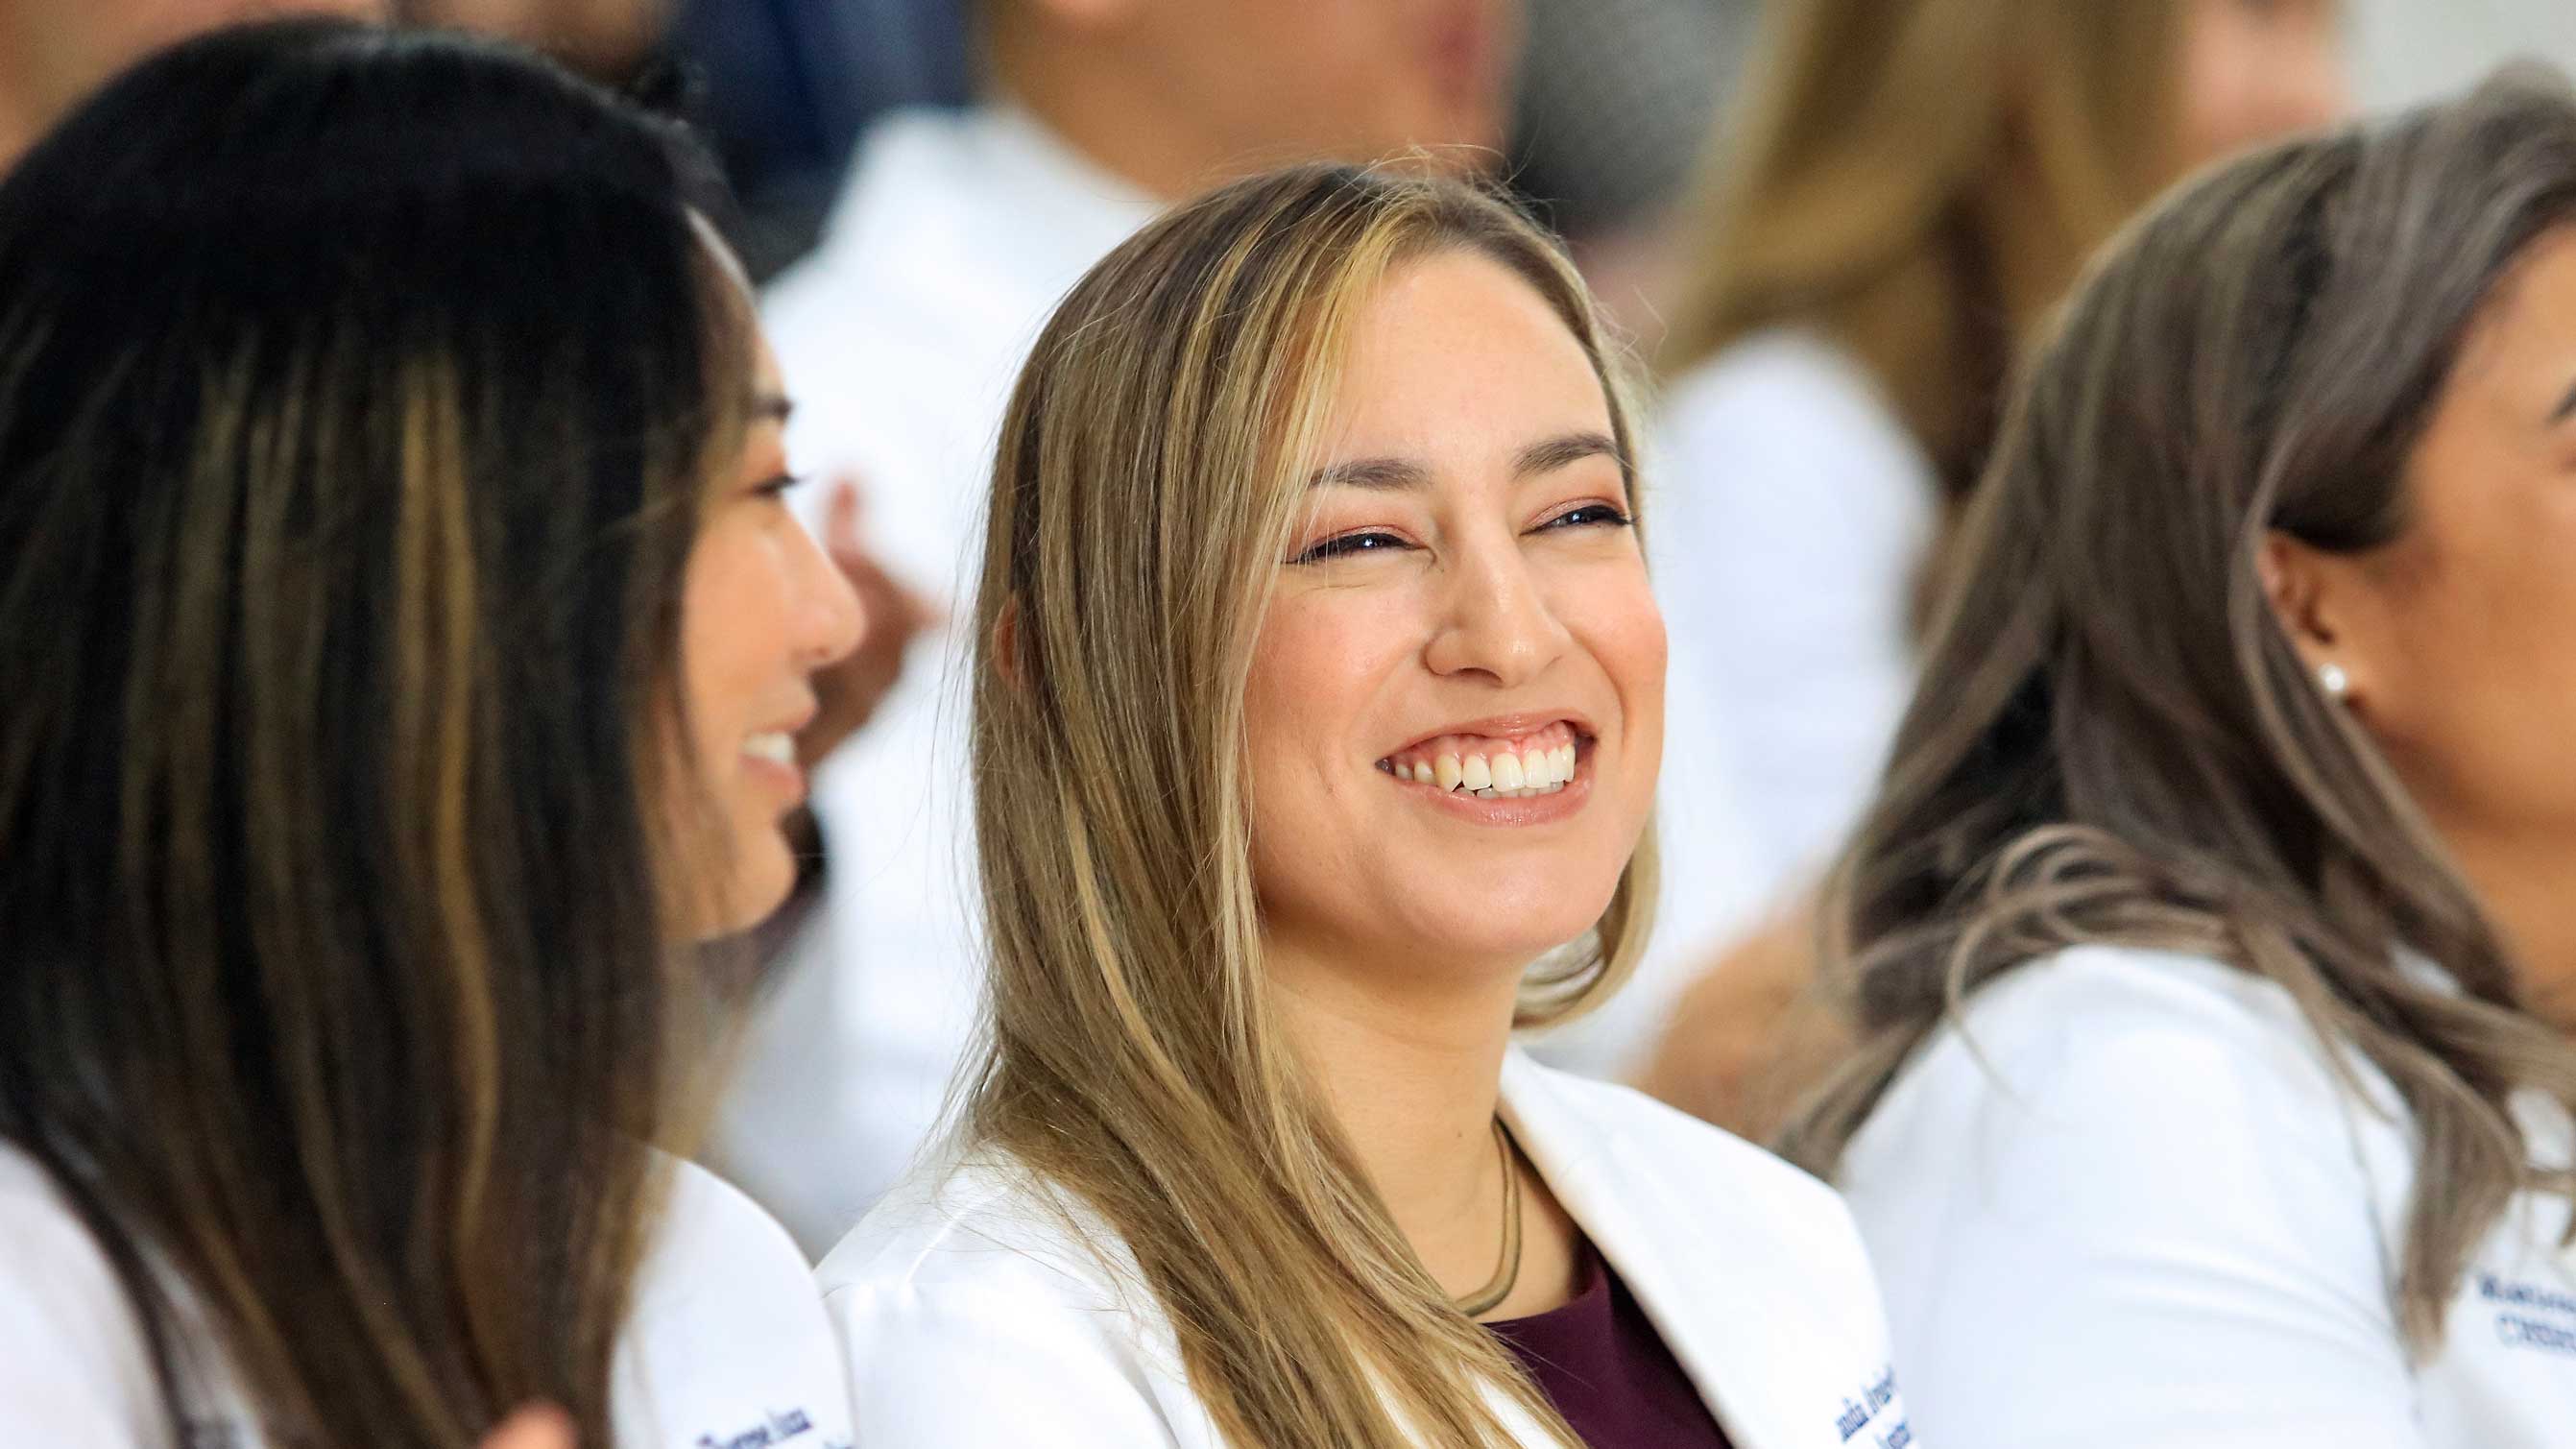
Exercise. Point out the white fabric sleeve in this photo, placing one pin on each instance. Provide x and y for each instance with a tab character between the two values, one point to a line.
2160	1234
74	1368
726	1340
991	1365
1788	514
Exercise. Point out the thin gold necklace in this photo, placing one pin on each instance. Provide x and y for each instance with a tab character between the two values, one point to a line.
1507	1271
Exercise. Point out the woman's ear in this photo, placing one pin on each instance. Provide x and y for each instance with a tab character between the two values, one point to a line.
2313	595
1006	645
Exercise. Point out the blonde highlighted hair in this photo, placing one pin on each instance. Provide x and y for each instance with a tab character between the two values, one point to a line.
1918	180
1151	466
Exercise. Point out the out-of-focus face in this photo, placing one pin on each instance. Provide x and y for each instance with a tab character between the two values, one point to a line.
1455	716
69	47
2258	70
1352	80
761	610
2459	637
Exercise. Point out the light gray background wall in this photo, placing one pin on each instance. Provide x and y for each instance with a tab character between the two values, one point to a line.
2408	50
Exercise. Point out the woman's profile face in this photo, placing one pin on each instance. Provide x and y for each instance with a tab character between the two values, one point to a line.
1455	715
761	610
2459	636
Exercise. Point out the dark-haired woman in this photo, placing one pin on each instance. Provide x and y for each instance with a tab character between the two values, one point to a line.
402	631
2215	928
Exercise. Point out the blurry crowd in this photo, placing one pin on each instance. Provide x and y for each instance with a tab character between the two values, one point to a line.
1826	233
1824	225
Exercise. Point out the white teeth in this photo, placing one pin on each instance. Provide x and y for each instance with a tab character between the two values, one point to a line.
776	746
1501	773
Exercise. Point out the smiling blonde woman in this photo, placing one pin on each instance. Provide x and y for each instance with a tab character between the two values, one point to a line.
1316	729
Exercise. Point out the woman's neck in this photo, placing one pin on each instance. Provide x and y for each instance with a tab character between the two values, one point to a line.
2523	884
1413	1076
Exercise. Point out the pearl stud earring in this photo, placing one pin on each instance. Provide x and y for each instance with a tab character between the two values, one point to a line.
2337	684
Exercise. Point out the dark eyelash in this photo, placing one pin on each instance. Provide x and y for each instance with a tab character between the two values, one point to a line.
1349	544
777	487
1612	518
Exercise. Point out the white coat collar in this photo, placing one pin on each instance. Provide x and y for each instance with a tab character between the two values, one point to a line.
1670	1237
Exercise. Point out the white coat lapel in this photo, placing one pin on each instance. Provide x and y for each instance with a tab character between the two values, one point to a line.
1737	1315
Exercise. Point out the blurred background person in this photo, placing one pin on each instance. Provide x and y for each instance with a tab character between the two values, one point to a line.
403	622
1911	187
789	84
1615	101
1611	114
900	333
53	53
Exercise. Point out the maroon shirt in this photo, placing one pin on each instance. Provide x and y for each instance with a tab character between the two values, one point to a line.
1603	1365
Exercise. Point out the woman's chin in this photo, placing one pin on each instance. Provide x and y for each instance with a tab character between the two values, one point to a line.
763	874
1506	940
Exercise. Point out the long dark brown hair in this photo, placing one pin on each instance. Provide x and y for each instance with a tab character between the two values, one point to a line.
359	393
2115	740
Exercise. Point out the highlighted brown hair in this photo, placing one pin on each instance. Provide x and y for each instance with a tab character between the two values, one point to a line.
1151	464
359	393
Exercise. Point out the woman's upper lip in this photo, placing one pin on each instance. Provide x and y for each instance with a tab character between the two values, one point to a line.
1506	726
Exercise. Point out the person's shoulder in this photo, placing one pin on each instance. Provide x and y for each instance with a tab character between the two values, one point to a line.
710	1225
973	1272
74	1364
45	1240
726	1334
2058	1014
2142	1045
977	1223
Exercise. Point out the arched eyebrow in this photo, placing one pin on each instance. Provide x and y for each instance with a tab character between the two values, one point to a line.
1393	474
1563	452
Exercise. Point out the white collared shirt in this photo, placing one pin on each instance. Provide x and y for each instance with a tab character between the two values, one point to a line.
2132	1206
973	1317
725	1343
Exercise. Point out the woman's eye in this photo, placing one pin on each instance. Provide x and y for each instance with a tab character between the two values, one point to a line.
1590	515
1351	544
775	488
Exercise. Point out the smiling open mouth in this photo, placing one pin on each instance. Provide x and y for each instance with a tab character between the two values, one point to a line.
1542	762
